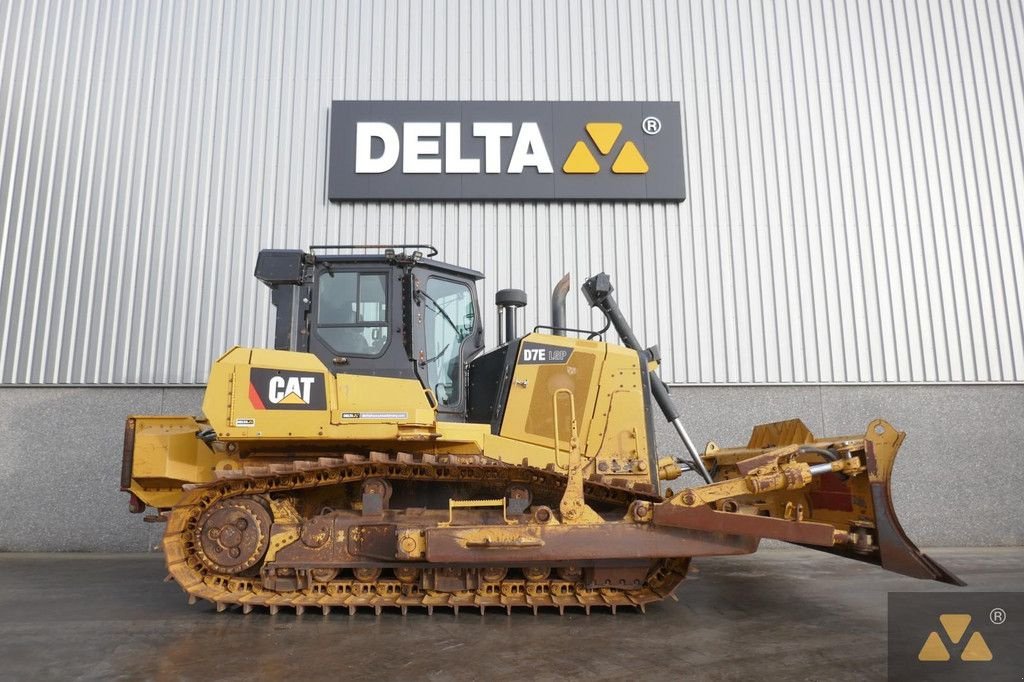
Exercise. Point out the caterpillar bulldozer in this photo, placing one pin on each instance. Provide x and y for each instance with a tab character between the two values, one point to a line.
379	457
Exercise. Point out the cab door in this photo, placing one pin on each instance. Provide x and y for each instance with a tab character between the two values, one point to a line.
356	320
448	334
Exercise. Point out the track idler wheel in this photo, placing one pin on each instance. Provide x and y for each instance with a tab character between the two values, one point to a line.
572	574
366	574
493	574
407	575
323	574
233	535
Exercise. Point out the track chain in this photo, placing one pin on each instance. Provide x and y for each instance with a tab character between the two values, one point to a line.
181	547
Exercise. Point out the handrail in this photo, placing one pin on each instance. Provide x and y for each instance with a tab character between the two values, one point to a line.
324	247
591	333
572	422
573	505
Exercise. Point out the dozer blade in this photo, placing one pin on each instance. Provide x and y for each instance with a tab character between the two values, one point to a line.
829	494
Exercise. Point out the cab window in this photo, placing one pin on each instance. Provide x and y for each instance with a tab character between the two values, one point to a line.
448	320
352	312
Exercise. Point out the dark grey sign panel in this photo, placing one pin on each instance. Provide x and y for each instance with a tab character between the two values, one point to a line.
956	636
472	151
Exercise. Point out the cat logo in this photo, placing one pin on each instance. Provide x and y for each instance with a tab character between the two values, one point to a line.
290	391
955	625
604	136
284	390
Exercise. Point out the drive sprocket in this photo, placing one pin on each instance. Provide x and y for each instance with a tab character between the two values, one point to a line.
233	535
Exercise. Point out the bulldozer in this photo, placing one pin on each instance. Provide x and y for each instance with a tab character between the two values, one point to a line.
380	457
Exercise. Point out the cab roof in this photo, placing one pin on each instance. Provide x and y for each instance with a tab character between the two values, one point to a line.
401	258
285	266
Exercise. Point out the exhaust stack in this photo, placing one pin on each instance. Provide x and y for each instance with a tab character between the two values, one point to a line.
558	295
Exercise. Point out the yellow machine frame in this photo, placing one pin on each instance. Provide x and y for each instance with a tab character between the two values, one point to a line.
604	381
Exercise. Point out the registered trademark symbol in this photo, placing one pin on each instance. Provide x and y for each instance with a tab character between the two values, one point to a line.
997	616
652	125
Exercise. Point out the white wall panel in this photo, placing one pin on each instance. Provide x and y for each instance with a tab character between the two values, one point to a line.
854	173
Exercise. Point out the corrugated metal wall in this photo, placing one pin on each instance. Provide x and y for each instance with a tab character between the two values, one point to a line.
854	174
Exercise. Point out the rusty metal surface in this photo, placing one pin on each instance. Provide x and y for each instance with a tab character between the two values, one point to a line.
897	552
847	511
707	519
128	454
616	540
374	556
298	586
234	534
832	493
373	541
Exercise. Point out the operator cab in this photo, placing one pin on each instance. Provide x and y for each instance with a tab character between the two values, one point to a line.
392	314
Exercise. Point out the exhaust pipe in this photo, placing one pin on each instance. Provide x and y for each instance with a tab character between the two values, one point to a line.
558	295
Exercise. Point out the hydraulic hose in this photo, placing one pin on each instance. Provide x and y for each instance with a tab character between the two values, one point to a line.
827	454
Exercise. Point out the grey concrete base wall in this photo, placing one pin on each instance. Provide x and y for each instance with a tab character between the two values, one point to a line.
957	480
60	466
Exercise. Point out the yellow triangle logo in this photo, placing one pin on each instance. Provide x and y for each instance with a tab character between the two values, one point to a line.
933	649
604	135
976	649
630	160
292	399
580	160
955	625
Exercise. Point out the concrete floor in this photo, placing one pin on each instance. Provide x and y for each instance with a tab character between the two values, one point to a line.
111	617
